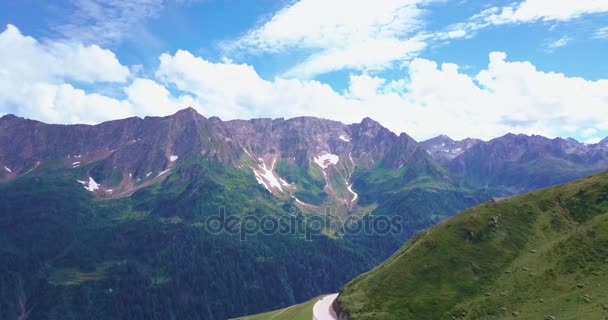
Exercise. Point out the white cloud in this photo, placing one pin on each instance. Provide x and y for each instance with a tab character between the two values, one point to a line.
62	104
601	33
234	91
109	21
542	10
561	42
526	11
362	35
363	87
427	100
506	97
589	132
372	35
34	76
593	140
26	58
150	98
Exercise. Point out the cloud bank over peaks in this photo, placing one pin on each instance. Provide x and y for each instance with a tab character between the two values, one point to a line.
425	100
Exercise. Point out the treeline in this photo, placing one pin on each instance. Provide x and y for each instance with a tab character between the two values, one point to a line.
157	269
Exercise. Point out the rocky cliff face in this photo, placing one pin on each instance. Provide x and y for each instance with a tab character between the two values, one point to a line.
117	157
443	149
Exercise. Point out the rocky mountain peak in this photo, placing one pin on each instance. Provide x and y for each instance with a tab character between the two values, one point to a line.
438	140
188	116
443	148
9	116
368	122
186	111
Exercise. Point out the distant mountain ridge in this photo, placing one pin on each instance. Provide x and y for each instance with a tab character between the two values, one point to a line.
443	149
134	150
518	163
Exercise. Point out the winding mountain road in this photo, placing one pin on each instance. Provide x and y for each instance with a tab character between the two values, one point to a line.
322	309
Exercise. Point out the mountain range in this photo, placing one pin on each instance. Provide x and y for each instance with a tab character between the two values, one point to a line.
104	221
128	154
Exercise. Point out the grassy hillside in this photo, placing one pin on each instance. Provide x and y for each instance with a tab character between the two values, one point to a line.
297	312
539	256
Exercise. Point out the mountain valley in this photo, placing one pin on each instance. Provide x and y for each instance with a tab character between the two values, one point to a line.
98	219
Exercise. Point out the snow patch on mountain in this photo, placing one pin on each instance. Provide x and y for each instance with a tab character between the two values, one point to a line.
90	185
266	177
7	169
284	183
173	158
350	189
326	159
302	203
261	181
344	138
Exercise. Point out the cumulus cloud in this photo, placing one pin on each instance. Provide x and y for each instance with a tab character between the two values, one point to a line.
35	79
149	98
232	90
59	103
505	97
341	34
30	60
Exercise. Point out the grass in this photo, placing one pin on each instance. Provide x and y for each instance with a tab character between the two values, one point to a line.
310	183
297	312
548	256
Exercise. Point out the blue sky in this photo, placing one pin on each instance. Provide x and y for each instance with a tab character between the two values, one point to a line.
464	68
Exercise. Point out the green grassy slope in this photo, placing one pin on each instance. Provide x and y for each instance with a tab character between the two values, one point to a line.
297	312
545	256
